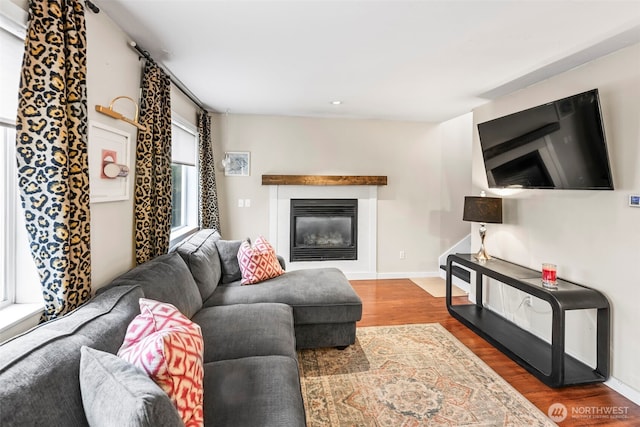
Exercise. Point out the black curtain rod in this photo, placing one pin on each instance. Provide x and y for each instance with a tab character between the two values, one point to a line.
146	55
93	7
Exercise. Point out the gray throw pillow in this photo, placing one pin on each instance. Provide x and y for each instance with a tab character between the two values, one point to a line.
228	251
200	253
116	393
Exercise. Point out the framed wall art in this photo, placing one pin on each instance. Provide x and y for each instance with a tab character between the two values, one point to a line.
237	163
108	163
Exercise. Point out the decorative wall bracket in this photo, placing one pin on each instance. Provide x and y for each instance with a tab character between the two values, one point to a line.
114	114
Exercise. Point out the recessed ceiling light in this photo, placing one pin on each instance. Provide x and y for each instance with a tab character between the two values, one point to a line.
336	102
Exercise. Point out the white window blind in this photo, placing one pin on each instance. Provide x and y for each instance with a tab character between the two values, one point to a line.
11	48
183	145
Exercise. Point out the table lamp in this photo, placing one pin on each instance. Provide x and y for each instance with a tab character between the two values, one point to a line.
483	210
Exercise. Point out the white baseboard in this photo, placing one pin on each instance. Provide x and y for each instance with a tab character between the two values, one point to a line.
623	389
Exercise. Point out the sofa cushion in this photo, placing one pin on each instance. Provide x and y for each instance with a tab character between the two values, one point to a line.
258	262
39	370
165	278
200	254
168	347
322	295
253	391
114	392
269	325
228	251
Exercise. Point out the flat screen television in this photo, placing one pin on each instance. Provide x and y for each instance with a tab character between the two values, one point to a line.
558	145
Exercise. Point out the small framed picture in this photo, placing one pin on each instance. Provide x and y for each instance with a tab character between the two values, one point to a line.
108	149
237	163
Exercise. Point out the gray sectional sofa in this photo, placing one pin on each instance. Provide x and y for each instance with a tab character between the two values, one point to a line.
54	375
325	307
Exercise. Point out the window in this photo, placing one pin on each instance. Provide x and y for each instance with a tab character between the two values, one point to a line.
184	143
7	134
18	275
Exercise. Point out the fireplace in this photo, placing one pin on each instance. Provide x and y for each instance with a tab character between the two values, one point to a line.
324	229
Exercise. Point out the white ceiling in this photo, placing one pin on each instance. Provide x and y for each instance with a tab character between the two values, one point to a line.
399	60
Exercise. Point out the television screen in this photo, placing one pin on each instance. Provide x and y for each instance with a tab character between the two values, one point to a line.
556	145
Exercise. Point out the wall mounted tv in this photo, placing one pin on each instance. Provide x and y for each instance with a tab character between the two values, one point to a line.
556	145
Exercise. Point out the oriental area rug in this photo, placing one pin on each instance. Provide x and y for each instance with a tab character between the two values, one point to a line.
408	375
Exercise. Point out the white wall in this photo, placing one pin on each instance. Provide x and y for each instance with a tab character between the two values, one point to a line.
456	138
413	209
114	69
593	236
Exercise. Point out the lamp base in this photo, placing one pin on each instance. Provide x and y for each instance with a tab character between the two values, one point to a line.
482	254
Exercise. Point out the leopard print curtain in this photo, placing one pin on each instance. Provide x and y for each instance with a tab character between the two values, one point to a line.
51	145
153	166
209	216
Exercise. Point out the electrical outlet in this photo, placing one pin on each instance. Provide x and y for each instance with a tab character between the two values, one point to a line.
403	255
247	203
241	203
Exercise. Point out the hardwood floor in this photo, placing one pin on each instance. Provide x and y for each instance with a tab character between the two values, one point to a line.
400	301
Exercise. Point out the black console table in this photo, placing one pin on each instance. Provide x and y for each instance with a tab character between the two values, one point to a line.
548	362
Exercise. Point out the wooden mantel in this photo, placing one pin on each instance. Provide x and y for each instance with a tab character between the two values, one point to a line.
323	180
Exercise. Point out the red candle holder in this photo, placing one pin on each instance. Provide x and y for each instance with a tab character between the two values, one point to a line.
549	275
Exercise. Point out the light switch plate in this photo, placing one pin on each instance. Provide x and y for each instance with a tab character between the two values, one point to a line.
634	200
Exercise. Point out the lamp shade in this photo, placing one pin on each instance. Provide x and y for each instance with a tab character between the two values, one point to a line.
482	209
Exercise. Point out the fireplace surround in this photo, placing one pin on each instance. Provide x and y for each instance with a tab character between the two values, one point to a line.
283	188
323	229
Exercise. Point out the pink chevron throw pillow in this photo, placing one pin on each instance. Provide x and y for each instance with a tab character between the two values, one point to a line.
258	262
168	346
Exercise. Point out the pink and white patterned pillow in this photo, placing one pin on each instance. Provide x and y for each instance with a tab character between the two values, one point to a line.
258	262
169	347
